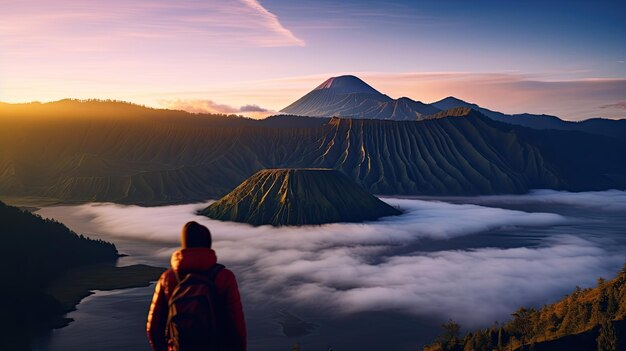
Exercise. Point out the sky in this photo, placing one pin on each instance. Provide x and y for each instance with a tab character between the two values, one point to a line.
254	57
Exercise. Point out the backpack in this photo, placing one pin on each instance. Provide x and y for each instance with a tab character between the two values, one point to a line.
192	322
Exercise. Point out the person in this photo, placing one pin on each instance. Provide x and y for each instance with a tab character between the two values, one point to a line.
197	259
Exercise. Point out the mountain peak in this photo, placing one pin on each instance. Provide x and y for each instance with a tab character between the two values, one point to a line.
452	99
347	84
452	102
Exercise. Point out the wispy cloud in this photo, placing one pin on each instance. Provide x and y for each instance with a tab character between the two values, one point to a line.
271	21
209	106
252	108
618	105
69	25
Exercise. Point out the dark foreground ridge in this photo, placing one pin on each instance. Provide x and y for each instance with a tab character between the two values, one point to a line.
48	270
298	197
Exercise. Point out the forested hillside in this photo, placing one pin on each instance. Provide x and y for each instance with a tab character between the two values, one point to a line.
37	251
587	319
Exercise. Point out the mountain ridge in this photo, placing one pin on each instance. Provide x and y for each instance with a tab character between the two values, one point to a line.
600	126
356	99
170	157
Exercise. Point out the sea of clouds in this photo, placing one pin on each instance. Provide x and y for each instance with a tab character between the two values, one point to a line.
609	200
347	268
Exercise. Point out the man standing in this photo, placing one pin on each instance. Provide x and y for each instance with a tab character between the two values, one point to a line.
196	303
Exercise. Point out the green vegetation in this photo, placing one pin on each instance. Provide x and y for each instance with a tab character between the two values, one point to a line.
48	270
298	197
82	151
587	319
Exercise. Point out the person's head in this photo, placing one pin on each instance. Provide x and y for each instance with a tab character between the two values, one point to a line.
195	235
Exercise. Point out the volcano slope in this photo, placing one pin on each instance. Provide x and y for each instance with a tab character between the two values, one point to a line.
298	197
76	151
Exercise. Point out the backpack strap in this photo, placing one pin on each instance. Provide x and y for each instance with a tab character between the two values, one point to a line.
215	270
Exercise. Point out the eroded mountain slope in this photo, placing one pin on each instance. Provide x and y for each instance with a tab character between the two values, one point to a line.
151	156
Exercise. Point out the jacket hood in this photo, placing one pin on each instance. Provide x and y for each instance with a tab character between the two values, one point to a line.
193	259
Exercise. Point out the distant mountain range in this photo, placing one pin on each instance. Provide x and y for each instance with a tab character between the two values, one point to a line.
600	126
298	197
350	97
81	151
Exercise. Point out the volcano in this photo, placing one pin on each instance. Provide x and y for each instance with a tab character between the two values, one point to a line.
349	96
298	197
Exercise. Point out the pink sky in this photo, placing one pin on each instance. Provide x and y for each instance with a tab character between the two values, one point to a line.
221	55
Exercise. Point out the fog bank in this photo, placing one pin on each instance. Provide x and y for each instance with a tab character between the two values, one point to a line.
346	268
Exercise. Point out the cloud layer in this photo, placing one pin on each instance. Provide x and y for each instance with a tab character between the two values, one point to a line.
610	200
346	268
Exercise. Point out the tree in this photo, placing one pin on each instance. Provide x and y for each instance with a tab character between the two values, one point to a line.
482	341
607	339
449	338
612	304
521	325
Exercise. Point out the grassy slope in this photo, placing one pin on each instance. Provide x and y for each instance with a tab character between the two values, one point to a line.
297	197
105	151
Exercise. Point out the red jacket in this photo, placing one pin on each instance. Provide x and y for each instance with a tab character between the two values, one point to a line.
194	260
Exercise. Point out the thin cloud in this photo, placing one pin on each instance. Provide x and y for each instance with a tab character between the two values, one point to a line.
619	105
272	22
67	25
252	108
209	106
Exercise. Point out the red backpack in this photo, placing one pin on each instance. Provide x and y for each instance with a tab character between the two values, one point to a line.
193	310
